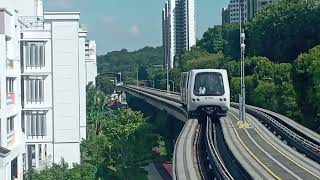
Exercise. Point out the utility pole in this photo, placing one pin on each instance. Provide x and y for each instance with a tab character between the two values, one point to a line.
120	78
242	100
168	88
137	77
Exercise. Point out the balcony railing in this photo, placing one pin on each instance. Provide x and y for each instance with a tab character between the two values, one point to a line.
10	63
15	138
36	22
11	138
11	98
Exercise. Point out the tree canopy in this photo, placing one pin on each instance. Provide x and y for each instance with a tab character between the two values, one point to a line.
222	39
64	172
306	76
128	62
284	29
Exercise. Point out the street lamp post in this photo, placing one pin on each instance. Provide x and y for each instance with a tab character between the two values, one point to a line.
172	85
138	77
242	101
120	78
168	88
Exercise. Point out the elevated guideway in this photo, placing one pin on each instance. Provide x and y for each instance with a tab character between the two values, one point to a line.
258	150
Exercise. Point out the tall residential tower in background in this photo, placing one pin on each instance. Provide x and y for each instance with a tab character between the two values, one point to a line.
249	9
178	28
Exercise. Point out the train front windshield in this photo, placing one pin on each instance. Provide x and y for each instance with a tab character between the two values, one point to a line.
208	84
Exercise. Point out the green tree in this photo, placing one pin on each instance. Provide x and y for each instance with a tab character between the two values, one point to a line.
231	35
222	39
192	55
212	40
63	172
105	84
235	89
264	95
132	141
128	62
306	77
284	29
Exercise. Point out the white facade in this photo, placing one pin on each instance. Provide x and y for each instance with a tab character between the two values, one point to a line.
249	9
91	62
178	28
234	8
12	139
52	87
42	87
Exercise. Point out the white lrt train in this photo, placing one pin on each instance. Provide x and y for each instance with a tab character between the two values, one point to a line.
205	91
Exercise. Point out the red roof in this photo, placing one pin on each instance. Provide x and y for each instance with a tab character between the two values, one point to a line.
168	168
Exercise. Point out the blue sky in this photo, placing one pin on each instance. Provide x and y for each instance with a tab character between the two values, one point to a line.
131	24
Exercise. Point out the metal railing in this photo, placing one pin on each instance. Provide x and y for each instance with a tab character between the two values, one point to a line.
36	22
11	138
10	63
11	98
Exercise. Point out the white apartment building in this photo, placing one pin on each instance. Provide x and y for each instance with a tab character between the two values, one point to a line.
91	61
168	33
234	10
12	140
42	87
249	9
179	28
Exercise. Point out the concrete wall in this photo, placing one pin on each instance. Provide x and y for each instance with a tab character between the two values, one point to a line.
91	68
66	86
70	152
82	84
65	81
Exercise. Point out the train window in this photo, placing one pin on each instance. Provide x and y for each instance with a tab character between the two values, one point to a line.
208	84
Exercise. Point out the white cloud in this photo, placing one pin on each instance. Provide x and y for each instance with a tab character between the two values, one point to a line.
134	30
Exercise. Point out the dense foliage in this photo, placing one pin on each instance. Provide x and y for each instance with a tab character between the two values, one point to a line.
119	141
129	62
285	29
63	172
222	39
306	76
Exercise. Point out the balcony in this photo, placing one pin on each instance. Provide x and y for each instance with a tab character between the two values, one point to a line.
11	98
14	139
4	152
10	64
11	139
32	22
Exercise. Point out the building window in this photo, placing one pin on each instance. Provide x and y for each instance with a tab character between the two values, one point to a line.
10	90
10	85
34	89
35	122
31	154
34	54
10	124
